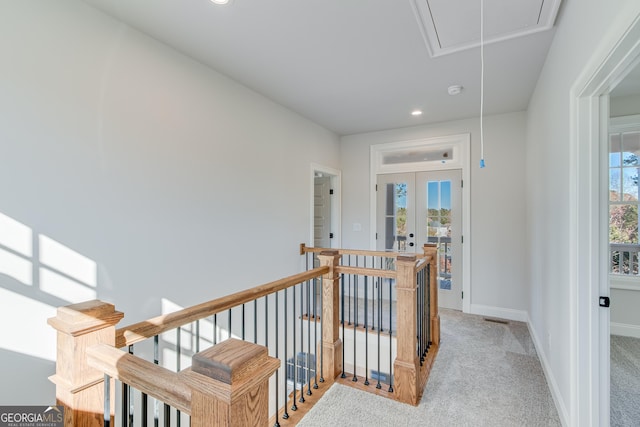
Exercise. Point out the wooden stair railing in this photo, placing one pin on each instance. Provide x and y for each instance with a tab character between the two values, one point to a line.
222	387
410	368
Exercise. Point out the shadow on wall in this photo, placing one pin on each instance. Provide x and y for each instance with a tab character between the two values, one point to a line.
37	275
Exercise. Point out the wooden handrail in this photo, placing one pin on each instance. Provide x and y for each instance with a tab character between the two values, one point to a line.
154	380
362	271
149	328
306	249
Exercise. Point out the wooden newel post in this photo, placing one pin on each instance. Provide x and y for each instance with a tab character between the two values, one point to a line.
331	342
80	388
230	384
431	251
406	365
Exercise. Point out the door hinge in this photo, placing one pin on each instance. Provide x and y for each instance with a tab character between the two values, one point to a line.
605	302
376	187
331	235
462	296
376	236
331	191
462	183
461	239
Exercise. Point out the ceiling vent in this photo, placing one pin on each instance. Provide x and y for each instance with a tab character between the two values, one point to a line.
453	25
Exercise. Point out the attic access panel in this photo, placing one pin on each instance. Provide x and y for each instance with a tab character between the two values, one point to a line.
453	25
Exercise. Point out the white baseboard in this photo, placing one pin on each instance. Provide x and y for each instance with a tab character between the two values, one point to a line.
625	330
553	385
499	312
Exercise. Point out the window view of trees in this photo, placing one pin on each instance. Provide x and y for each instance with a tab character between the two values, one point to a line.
624	165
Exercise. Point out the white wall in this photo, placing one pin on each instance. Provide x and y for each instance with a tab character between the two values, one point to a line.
582	26
497	235
157	176
624	106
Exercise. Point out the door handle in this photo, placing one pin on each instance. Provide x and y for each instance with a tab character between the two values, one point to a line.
411	243
410	234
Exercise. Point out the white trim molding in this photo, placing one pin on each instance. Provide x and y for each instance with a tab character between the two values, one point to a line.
625	330
460	146
499	312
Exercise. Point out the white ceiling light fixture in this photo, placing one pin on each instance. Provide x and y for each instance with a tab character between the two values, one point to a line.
220	1
416	113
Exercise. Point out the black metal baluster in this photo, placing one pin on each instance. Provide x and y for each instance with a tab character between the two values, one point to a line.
285	415
167	415
179	355
266	321
321	336
428	281
421	346
229	323
378	385
242	322
373	300
277	423
302	380
125	402
390	338
343	335
315	332
130	399
355	324
294	407
156	360
215	329
255	321
349	291
366	331
309	336
145	409
107	401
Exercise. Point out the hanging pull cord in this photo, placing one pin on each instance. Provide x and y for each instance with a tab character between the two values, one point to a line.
482	84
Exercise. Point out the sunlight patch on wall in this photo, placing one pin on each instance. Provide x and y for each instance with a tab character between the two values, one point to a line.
16	248
25	327
67	261
66	274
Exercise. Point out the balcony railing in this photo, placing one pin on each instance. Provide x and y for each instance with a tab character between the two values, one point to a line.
624	259
257	357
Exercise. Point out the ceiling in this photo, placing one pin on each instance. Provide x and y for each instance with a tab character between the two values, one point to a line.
360	65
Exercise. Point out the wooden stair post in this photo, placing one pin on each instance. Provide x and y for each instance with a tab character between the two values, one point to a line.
331	342
431	251
406	365
230	384
80	388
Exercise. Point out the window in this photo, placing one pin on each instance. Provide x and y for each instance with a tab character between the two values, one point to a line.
624	170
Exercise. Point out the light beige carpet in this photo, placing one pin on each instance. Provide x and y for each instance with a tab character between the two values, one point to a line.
486	374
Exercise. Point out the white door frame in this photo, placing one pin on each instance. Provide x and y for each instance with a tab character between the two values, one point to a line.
336	203
588	240
460	159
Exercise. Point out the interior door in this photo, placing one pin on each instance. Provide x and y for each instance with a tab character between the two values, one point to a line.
424	207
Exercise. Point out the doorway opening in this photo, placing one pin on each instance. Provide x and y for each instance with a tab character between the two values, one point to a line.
418	196
326	229
590	175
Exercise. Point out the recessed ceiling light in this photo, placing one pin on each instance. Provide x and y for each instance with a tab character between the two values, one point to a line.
416	113
220	1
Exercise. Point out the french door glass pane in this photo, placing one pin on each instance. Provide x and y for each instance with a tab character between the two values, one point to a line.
439	227
395	224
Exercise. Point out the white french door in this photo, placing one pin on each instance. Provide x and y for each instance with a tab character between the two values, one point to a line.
424	207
